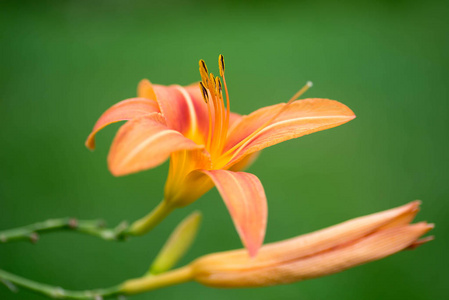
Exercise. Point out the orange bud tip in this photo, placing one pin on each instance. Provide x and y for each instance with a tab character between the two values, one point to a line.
420	242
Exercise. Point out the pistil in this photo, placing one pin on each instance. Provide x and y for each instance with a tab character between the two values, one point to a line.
245	140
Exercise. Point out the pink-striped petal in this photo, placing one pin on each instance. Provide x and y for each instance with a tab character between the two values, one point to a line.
300	118
245	199
144	143
185	110
180	109
122	111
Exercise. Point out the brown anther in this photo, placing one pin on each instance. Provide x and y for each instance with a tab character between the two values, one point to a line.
221	64
204	93
203	73
203	66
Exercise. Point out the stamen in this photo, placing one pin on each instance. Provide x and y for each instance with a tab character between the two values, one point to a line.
222	112
221	64
204	72
203	64
212	80
212	91
204	92
217	113
218	87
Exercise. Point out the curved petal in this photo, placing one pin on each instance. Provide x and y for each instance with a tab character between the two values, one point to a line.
181	108
300	118
234	119
245	162
245	199
185	110
144	143
145	90
122	111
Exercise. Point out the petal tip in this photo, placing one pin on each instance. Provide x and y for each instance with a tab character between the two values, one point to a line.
252	250
90	143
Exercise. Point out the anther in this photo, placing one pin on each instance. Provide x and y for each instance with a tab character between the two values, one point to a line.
221	64
204	93
218	86
203	64
203	72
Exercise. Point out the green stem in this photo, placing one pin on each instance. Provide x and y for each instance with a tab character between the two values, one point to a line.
57	292
129	287
30	232
150	221
94	227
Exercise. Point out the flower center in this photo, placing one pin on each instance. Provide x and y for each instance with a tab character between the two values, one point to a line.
212	92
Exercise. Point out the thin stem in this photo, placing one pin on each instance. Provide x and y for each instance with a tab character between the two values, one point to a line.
129	287
90	227
57	292
150	221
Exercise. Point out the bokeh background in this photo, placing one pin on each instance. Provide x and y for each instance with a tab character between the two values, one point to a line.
62	63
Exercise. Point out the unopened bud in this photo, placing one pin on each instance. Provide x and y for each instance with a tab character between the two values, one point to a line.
177	244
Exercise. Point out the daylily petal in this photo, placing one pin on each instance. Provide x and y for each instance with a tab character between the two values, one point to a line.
245	162
300	118
245	199
183	110
122	111
234	119
144	143
145	90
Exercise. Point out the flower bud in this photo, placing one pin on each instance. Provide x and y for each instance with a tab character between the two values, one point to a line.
177	244
316	254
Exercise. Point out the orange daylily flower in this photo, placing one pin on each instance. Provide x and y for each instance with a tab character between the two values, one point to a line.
208	144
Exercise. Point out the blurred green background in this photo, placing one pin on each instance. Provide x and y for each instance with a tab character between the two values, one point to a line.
62	63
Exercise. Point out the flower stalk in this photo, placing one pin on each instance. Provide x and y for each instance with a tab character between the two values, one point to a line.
151	220
90	227
58	292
